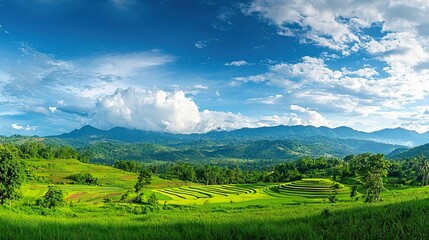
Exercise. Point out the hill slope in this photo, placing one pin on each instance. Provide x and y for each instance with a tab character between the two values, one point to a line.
108	152
412	152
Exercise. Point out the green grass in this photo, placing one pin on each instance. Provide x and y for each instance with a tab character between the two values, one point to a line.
195	211
256	219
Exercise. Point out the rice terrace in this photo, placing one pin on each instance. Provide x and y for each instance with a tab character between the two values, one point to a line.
214	119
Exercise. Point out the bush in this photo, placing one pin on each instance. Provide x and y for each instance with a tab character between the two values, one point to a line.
333	198
53	198
326	213
153	200
125	196
84	178
140	198
108	200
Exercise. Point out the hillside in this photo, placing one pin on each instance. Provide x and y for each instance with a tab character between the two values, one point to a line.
108	152
412	152
112	181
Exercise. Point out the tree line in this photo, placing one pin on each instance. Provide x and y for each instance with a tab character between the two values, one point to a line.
36	149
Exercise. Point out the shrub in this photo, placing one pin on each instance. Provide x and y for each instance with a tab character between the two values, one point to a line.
333	198
108	200
140	198
53	197
125	196
153	200
326	213
84	178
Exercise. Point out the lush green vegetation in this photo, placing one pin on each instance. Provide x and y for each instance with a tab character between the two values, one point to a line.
277	150
309	198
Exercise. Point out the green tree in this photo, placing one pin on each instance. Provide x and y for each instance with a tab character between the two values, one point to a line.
11	175
421	164
84	178
145	178
333	197
54	197
153	200
353	192
372	169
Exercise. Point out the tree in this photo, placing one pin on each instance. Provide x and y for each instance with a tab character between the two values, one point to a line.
353	192
333	197
144	179
372	169
421	163
54	197
153	200
84	178
11	175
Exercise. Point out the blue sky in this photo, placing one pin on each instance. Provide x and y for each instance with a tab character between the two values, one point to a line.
197	66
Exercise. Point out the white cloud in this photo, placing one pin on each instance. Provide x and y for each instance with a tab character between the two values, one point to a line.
361	91
201	44
39	84
223	19
318	21
312	117
298	116
52	109
237	63
150	110
158	110
20	127
125	65
339	25
204	43
2	29
270	100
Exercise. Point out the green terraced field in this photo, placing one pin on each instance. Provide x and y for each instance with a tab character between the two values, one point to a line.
315	189
114	183
201	194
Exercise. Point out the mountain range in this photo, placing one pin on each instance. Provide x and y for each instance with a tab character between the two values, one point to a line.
396	136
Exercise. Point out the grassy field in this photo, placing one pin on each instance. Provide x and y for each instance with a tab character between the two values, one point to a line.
296	210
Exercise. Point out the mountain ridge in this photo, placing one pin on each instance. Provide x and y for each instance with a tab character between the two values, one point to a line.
397	136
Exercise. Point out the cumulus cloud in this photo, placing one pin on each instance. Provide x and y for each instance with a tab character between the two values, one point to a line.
38	85
400	52
360	91
150	110
158	110
237	63
312	117
340	25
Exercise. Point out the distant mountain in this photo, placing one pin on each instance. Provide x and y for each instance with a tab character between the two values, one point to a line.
398	136
89	134
410	153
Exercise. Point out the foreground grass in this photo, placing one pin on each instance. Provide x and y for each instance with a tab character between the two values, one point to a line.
405	219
